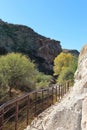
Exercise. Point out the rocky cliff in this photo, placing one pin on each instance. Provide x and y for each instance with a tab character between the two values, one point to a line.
71	112
19	38
73	52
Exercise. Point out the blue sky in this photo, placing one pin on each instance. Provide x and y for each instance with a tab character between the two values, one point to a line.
63	20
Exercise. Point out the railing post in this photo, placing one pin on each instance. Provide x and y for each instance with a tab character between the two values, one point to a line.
56	93
52	95
48	98
2	119
65	88
28	108
67	85
42	100
16	115
62	90
59	92
35	103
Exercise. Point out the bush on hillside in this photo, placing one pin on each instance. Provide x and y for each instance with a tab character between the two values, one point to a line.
65	66
17	71
42	80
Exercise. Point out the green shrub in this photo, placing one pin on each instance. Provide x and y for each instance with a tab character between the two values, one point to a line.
66	74
42	80
17	71
65	66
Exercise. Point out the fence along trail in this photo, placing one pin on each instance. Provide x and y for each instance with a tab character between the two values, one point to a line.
17	114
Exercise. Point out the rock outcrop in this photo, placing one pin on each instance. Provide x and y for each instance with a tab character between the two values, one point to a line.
20	38
73	52
71	112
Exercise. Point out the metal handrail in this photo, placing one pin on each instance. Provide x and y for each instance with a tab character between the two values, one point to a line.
29	105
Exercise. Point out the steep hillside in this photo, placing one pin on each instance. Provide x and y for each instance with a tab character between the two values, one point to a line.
19	38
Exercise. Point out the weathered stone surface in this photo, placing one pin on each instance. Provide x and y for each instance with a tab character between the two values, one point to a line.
84	114
69	114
